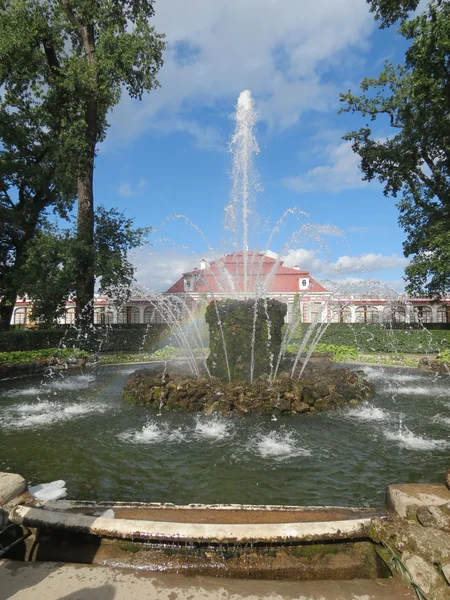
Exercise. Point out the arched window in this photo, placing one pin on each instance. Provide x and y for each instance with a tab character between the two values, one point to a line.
443	314
128	315
394	314
367	314
69	316
422	314
99	315
21	316
153	314
316	312
341	315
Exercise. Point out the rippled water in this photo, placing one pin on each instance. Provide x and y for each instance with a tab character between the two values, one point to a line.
77	427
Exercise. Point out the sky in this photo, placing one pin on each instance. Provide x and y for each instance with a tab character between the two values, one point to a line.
168	154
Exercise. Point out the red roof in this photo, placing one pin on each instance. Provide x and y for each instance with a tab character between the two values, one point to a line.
227	275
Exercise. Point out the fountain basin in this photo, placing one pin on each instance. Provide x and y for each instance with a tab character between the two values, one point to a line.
263	542
350	524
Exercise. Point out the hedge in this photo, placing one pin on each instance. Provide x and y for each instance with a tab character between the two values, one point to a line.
378	338
112	338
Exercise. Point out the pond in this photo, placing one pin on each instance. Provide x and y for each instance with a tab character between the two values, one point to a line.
76	426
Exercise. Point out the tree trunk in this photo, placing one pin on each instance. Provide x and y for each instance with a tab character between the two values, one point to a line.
86	255
85	224
6	310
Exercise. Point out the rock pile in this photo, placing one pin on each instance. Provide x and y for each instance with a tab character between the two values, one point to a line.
317	391
418	533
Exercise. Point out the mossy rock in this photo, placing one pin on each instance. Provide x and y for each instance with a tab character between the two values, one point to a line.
190	394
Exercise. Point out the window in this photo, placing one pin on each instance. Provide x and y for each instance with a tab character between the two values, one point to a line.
443	314
153	314
69	316
422	314
99	315
341	315
394	314
128	315
303	284
21	316
316	312
367	314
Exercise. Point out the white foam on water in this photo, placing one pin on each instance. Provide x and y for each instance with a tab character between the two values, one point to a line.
77	382
441	420
32	391
407	439
213	427
46	413
36	407
417	390
367	412
48	386
153	433
49	491
278	445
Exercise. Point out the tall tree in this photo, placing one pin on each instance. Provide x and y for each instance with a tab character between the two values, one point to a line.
86	52
49	272
413	162
32	178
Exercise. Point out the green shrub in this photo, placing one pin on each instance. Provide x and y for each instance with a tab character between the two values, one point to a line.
444	355
377	338
340	353
18	357
112	338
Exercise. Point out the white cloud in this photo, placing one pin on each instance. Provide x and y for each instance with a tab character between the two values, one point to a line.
342	172
157	271
344	265
282	50
126	190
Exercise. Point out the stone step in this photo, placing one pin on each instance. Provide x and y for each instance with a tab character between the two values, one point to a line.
56	581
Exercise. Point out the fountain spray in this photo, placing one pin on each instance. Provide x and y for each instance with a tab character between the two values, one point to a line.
243	147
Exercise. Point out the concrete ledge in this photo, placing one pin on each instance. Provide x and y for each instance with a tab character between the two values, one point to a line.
404	499
192	532
11	485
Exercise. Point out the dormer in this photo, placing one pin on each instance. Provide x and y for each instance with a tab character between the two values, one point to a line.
303	283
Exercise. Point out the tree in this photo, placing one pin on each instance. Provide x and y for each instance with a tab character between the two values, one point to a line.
49	273
33	180
413	163
85	52
391	11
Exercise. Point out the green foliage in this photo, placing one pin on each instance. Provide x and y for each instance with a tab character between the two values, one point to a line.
165	353
375	338
243	324
413	164
63	67
49	273
103	339
340	353
18	357
390	11
444	355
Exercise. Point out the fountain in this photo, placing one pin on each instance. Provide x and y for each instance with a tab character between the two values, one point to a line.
246	339
251	475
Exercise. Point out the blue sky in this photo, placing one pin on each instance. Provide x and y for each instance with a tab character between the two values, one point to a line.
168	154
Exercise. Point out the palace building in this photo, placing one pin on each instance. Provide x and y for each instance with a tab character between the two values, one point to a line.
241	275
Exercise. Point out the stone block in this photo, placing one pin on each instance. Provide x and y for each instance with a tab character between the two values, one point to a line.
422	573
404	499
11	485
